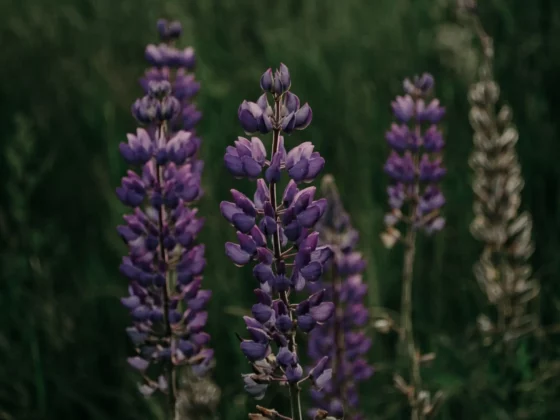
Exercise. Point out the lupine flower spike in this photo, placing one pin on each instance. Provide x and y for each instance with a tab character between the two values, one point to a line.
502	271
415	169
276	233
341	338
164	265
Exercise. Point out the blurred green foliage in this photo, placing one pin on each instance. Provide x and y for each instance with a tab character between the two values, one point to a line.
68	75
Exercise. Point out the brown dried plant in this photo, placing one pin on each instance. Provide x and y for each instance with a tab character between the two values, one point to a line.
503	271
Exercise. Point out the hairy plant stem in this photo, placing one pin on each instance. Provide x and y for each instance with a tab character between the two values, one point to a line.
407	332
169	368
280	265
407	345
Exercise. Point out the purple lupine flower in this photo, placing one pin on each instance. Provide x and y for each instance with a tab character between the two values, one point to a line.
415	169
341	338
164	265
415	165
175	66
276	233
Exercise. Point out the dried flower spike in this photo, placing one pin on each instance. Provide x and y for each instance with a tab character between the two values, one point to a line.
276	233
503	271
341	338
164	265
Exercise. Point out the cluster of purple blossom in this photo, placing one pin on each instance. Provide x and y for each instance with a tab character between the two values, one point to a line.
266	227
415	165
342	338
164	265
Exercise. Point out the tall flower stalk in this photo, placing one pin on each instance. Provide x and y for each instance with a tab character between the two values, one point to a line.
164	265
341	338
276	232
415	169
502	271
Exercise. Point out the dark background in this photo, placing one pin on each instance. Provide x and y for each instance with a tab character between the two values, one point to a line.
68	74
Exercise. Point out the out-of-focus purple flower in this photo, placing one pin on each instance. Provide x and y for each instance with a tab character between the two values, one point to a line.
419	85
401	168
415	165
168	315
267	220
176	67
339	344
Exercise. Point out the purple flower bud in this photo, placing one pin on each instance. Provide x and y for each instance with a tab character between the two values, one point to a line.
303	117
282	80
237	254
430	171
246	158
162	27
432	113
303	164
263	273
266	80
294	373
433	139
253	118
286	357
159	89
322	312
273	173
254	351
262	313
400	168
403	108
174	30
289	193
284	323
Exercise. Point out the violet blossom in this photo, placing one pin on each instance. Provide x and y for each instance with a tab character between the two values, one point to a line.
415	164
275	232
342	338
164	265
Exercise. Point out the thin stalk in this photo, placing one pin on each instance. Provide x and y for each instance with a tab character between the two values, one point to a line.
407	333
295	401
407	345
169	370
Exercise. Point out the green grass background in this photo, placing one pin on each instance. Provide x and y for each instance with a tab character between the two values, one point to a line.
68	75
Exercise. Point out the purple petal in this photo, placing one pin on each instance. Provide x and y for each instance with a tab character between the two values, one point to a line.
312	271
306	323
298	172
285	357
236	254
228	210
243	222
262	313
251	167
309	217
130	302
303	117
138	363
254	351
322	312
315	166
323	379
234	165
263	273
